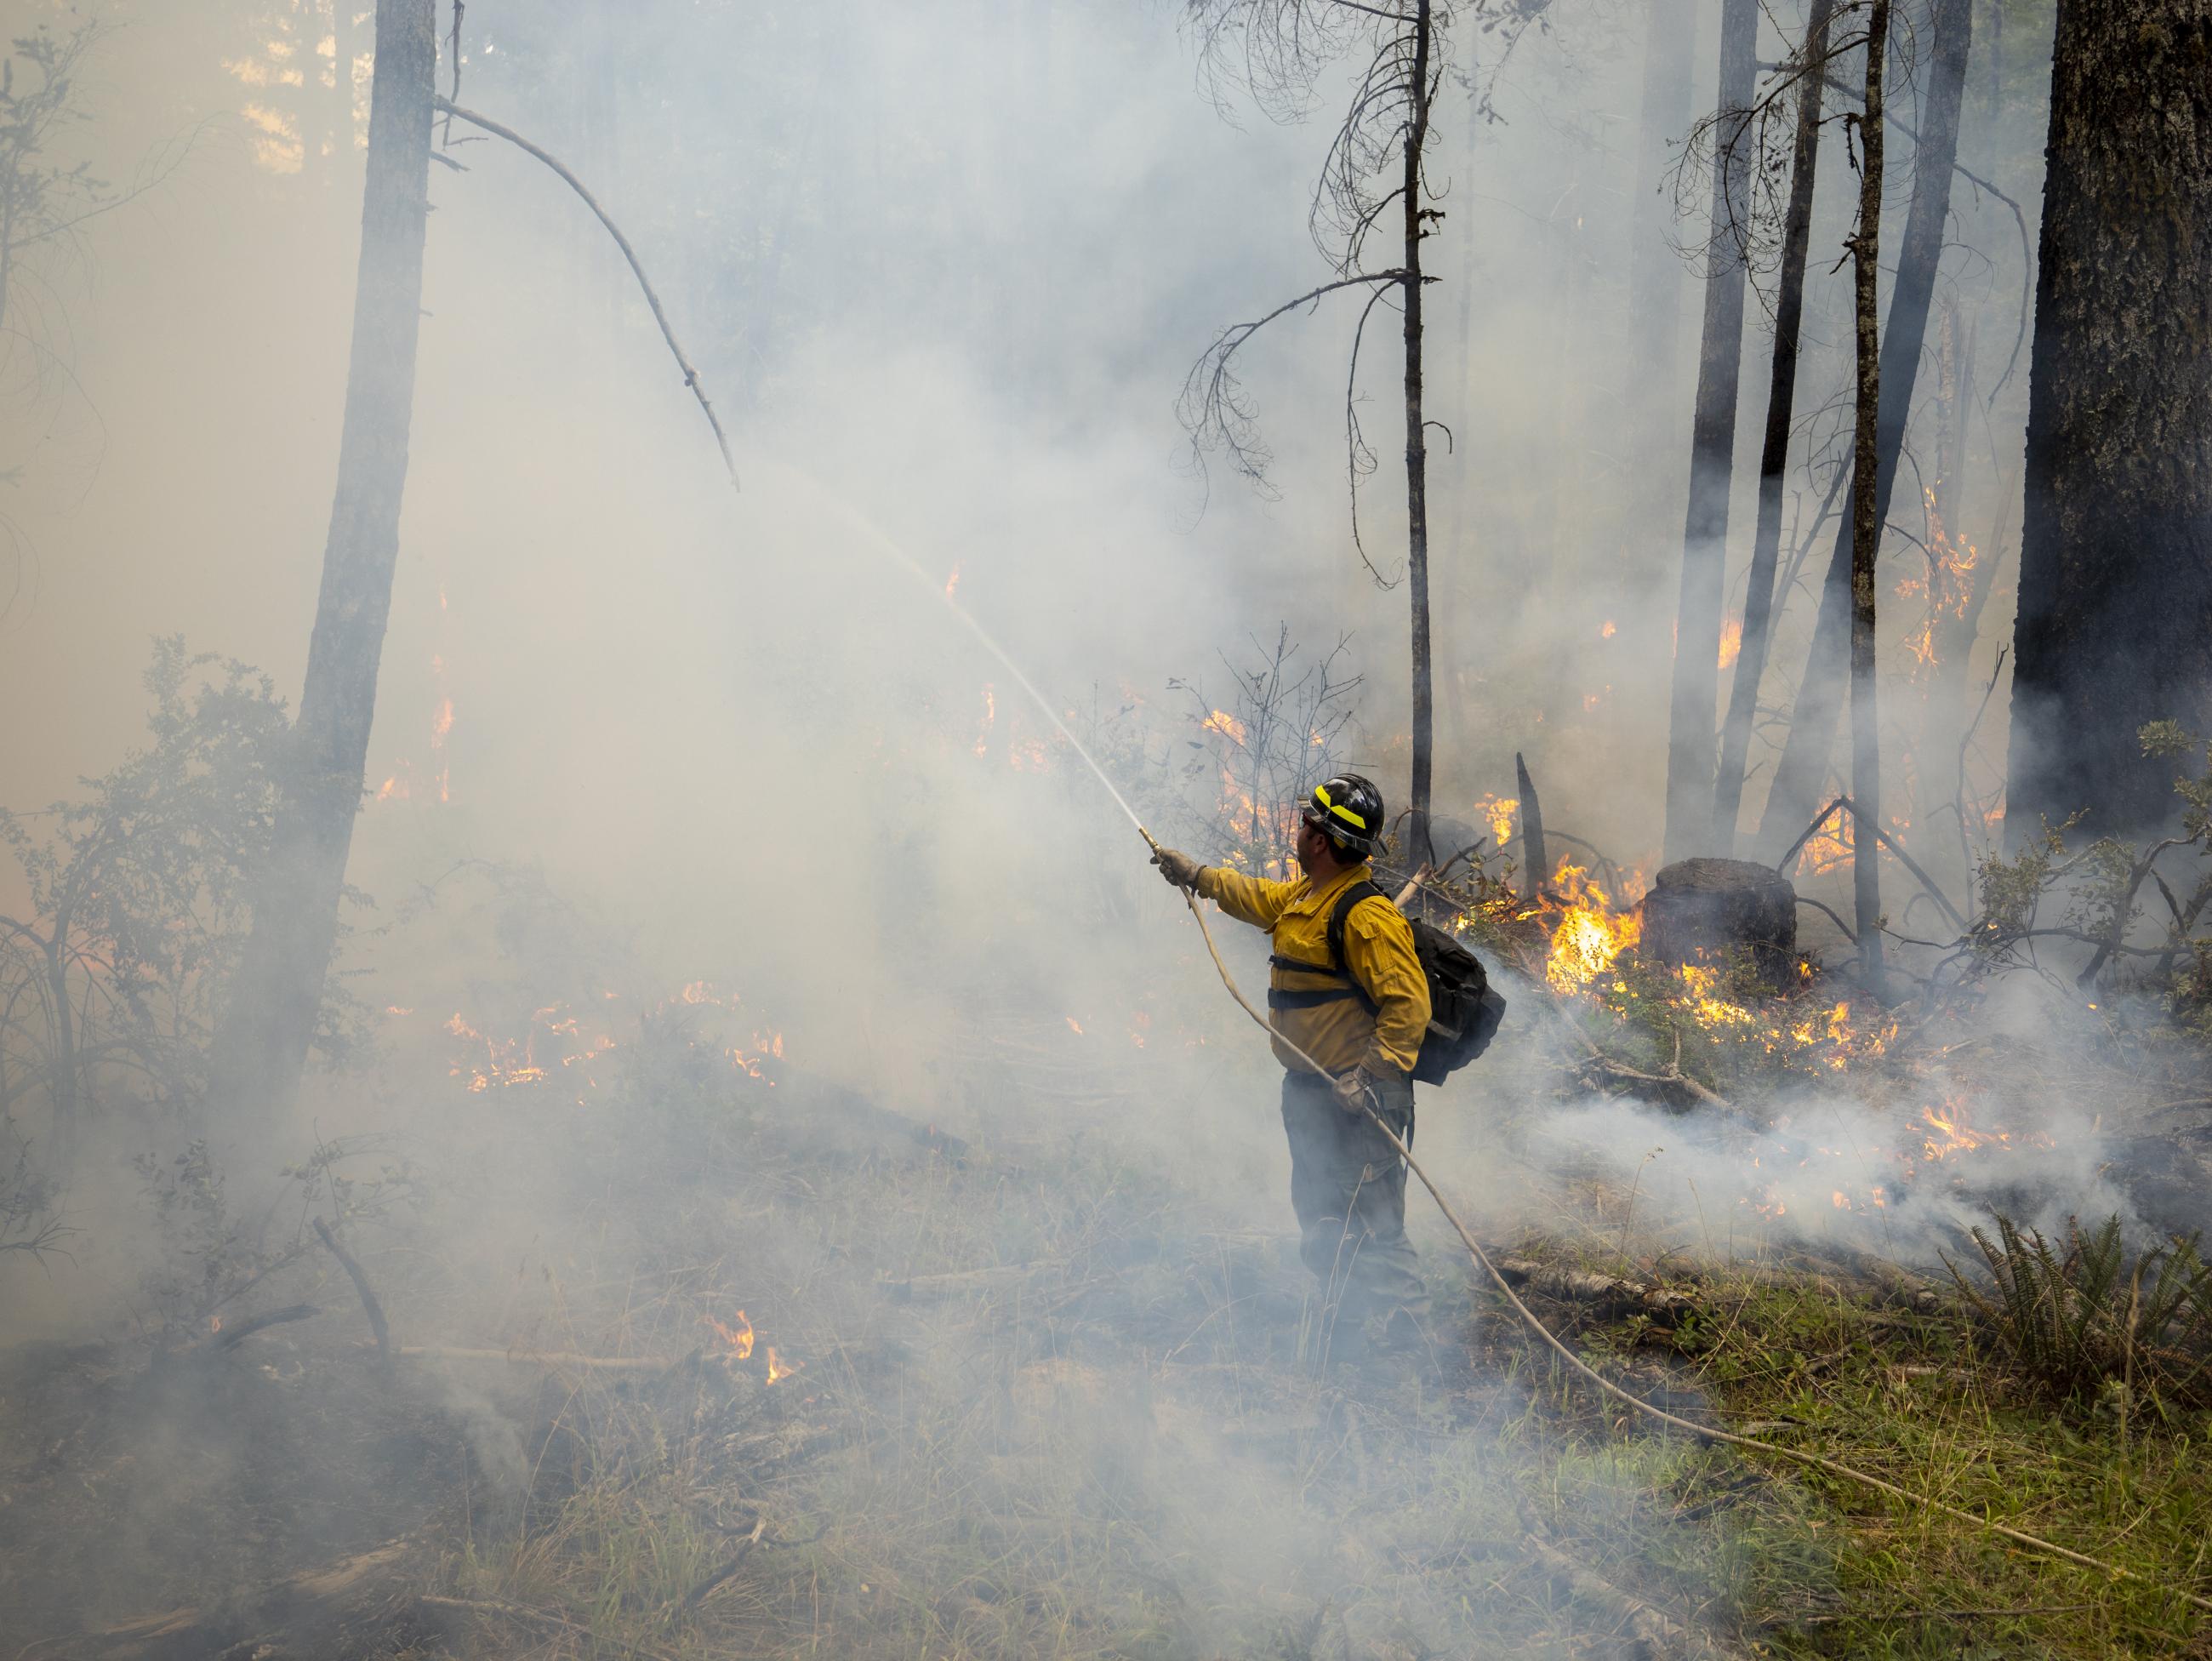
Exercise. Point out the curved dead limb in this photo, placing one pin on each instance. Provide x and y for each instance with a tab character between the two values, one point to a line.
1582	1369
368	1301
1209	408
652	299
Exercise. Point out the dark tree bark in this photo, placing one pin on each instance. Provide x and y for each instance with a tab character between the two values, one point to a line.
1695	687
1774	453
1417	216
1802	772
1866	512
1535	857
2115	624
269	1015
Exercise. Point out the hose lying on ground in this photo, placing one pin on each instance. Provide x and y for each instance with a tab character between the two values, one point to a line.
1582	1369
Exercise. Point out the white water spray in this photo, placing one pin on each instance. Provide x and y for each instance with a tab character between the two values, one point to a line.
898	555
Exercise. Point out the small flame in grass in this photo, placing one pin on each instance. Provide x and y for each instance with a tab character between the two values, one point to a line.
1607	629
215	1323
737	1341
1074	1025
778	1368
990	715
953	582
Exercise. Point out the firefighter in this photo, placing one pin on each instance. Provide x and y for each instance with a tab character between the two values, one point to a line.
1348	1182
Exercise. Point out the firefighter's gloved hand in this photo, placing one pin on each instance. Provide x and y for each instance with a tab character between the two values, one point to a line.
1351	1090
1179	868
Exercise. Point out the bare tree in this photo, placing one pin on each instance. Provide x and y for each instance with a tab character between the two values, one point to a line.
1803	769
1865	511
262	1042
1372	176
1807	83
1712	447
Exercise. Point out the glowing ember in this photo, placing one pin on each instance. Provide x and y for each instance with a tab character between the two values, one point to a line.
1074	1025
953	582
1607	629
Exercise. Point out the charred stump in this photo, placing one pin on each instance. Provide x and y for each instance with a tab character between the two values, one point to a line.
1704	909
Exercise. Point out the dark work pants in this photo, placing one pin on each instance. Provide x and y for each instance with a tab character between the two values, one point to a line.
1348	1189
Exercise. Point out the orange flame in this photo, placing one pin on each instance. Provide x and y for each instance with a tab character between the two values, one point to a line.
738	1339
778	1368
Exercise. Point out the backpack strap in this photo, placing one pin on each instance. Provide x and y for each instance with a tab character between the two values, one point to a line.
1356	894
1336	969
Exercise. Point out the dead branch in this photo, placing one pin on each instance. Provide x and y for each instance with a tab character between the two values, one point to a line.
311	1597
652	298
360	1282
555	1360
744	1549
1609	1293
1659	1634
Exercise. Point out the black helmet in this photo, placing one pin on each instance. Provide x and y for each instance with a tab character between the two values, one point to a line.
1348	811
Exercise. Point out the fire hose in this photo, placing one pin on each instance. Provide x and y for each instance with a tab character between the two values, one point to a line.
1583	1370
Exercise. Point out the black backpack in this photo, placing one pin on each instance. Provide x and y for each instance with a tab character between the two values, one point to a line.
1464	1012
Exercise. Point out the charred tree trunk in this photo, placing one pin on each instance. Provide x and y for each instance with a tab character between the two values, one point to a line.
1535	857
269	1018
1774	453
1803	770
2115	626
1417	452
1866	512
1696	686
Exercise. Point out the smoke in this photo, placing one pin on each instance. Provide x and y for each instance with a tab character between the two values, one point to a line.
944	273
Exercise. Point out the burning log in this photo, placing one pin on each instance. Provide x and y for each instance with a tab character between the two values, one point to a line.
1704	909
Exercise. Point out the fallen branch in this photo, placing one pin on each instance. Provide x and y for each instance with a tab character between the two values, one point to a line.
652	300
310	1595
360	1284
230	1338
1610	1293
1659	1633
744	1549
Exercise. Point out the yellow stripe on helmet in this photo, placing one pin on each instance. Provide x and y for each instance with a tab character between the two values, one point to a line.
1321	796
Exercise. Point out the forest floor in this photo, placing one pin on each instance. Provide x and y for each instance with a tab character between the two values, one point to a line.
1025	1402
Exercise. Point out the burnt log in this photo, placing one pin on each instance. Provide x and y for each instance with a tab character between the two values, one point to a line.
1704	910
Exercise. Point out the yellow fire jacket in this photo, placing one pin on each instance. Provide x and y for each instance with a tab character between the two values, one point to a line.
1378	950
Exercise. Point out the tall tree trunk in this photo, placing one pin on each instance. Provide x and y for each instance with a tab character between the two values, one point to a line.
2115	626
1712	445
1803	769
268	1017
1867	516
1416	449
1654	270
1774	454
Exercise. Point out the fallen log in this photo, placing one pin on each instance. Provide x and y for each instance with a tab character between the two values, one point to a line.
291	1612
1610	1294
